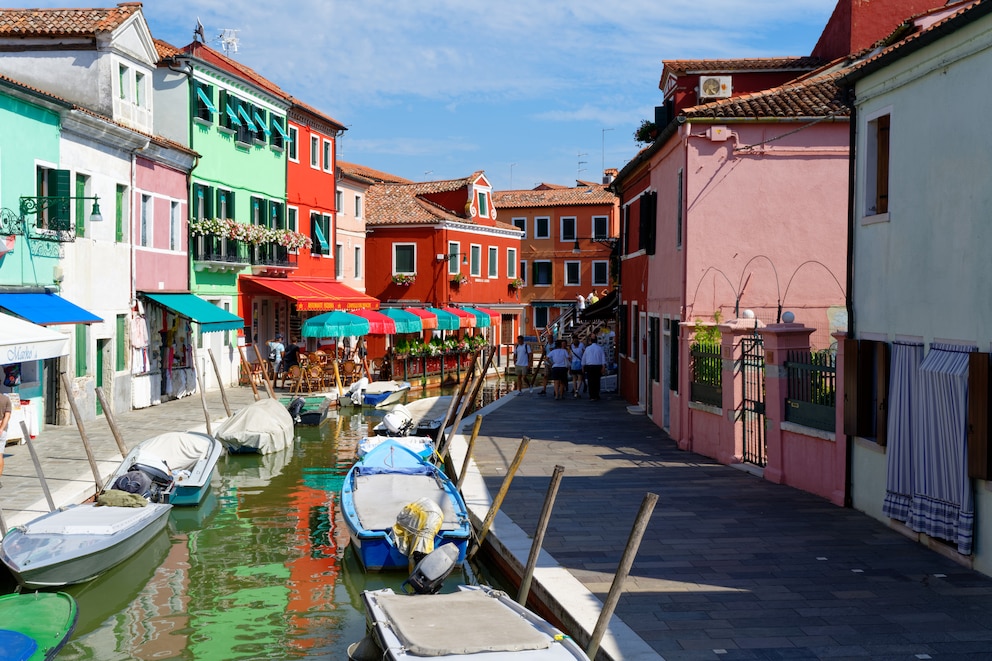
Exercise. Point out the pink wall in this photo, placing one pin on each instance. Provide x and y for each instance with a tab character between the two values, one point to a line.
159	266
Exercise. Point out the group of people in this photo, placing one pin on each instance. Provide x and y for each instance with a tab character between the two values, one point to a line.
579	362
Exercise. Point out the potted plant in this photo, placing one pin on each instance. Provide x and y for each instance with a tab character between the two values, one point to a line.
458	279
405	279
516	283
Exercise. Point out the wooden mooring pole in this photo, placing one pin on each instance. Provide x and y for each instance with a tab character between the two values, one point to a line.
108	413
246	366
37	467
220	382
82	432
542	527
498	501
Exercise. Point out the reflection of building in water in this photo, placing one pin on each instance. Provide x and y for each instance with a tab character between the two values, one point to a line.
158	618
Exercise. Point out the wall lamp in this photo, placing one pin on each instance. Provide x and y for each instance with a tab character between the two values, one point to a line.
30	206
441	257
610	241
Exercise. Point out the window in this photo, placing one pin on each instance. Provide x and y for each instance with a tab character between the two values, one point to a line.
358	206
328	153
540	317
523	271
866	382
315	152
225	204
53	183
493	261
82	183
404	258
278	138
260	117
120	212
292	219
600	273
175	227
139	88
319	234
678	213
454	250
227	108
258	209
246	127
327	229
877	166
542	273
511	263
293	133
277	215
204	100
483	207
339	261
542	228
123	82
358	262
646	229
573	273
521	224
600	227
568	229
475	260
146	220
338	199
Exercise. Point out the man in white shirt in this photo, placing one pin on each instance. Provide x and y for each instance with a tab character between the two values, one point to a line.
593	360
522	354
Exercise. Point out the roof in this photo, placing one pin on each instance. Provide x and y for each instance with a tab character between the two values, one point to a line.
40	93
817	96
369	175
207	54
553	197
408	203
918	40
165	49
752	65
64	22
316	114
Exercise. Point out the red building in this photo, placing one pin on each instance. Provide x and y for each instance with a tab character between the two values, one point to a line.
439	244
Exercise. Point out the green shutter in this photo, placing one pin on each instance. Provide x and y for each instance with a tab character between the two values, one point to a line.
119	213
80	349
121	344
80	205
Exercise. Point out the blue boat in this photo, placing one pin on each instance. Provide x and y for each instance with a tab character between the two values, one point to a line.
399	506
173	468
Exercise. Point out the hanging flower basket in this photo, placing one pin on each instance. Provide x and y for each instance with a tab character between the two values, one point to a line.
458	279
404	278
227	228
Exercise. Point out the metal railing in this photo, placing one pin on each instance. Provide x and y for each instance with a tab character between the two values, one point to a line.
706	370
812	388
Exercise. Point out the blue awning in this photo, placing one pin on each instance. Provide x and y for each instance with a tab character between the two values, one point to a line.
231	115
321	241
206	100
210	317
46	309
261	123
244	116
279	128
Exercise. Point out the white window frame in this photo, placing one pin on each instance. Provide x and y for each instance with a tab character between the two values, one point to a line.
482	203
339	200
140	89
511	263
175	226
606	265
146	228
578	267
493	264
328	154
315	152
358	206
475	260
537	220
561	229
293	149
552	264
869	176
124	81
358	262
339	260
605	234
401	245
329	220
454	257
522	221
293	223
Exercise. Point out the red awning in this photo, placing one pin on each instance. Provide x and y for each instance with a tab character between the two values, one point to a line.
465	318
311	295
494	316
428	319
379	324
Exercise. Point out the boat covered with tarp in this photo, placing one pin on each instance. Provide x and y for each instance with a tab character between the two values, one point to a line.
262	427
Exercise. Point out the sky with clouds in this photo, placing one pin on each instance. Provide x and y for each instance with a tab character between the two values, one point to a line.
528	91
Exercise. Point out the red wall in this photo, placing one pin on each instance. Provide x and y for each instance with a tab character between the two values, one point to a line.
858	24
310	189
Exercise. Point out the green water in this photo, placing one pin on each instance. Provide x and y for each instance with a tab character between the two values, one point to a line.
260	570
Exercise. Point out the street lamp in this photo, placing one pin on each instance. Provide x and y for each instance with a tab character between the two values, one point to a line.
58	206
609	241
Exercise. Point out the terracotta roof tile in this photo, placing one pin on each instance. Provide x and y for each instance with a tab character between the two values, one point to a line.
683	67
165	49
368	174
64	22
310	110
553	197
392	203
817	96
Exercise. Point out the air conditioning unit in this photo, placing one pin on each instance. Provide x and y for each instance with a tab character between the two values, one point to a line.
715	87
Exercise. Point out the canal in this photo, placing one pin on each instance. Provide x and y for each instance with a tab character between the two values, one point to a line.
260	570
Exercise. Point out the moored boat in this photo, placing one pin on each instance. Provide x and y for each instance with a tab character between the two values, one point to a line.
393	482
376	394
422	445
35	626
263	427
78	543
173	468
476	622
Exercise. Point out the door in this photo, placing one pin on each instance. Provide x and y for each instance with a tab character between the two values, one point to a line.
102	355
666	372
643	374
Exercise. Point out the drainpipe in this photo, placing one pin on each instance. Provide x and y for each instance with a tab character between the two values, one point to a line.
851	172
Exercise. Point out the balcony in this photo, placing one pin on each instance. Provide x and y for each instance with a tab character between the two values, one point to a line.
272	259
219	254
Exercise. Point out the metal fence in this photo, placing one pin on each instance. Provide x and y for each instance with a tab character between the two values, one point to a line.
706	368
812	388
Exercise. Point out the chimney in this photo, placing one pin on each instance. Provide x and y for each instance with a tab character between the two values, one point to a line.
609	174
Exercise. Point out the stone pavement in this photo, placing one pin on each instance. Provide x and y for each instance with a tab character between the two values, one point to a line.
730	566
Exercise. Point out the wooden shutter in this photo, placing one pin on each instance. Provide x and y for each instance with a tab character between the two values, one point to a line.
979	459
882	352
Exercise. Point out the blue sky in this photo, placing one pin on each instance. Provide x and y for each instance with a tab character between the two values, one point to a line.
529	92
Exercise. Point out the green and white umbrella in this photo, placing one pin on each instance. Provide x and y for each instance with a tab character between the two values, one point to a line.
335	324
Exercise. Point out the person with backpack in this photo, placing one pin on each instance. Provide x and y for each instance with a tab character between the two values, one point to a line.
522	356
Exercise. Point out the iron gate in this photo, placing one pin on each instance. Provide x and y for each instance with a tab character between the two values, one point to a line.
752	410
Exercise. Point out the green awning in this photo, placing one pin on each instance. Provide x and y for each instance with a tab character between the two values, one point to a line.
482	319
445	320
206	100
244	116
281	131
210	317
406	322
261	123
231	115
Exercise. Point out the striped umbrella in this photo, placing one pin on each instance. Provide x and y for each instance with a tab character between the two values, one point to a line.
335	324
406	322
465	319
445	320
427	318
482	319
379	324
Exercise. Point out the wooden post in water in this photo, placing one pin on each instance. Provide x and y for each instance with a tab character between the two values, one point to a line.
203	400
476	385
220	382
337	378
265	372
246	366
640	524
469	449
542	527
82	432
37	467
498	501
109	415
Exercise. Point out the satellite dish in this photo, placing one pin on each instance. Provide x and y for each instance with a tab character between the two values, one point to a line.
198	32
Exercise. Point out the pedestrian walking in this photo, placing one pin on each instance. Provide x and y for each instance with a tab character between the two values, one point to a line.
575	369
593	360
276	350
522	355
559	368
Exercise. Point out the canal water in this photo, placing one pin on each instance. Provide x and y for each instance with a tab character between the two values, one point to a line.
260	570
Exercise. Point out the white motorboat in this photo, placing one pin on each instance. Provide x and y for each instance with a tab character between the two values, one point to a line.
173	468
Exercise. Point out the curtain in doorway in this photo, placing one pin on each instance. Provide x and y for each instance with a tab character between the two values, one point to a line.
903	423
943	502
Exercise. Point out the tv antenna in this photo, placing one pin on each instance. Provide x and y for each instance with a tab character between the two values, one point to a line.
198	32
581	169
229	40
511	175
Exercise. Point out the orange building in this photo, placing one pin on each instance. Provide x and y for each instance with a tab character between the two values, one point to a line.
568	240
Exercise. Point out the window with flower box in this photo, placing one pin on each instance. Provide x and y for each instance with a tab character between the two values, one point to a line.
404	258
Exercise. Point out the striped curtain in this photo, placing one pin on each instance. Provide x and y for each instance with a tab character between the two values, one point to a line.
903	423
943	504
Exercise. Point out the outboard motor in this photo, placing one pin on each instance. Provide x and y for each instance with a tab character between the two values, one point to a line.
429	574
398	422
295	408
